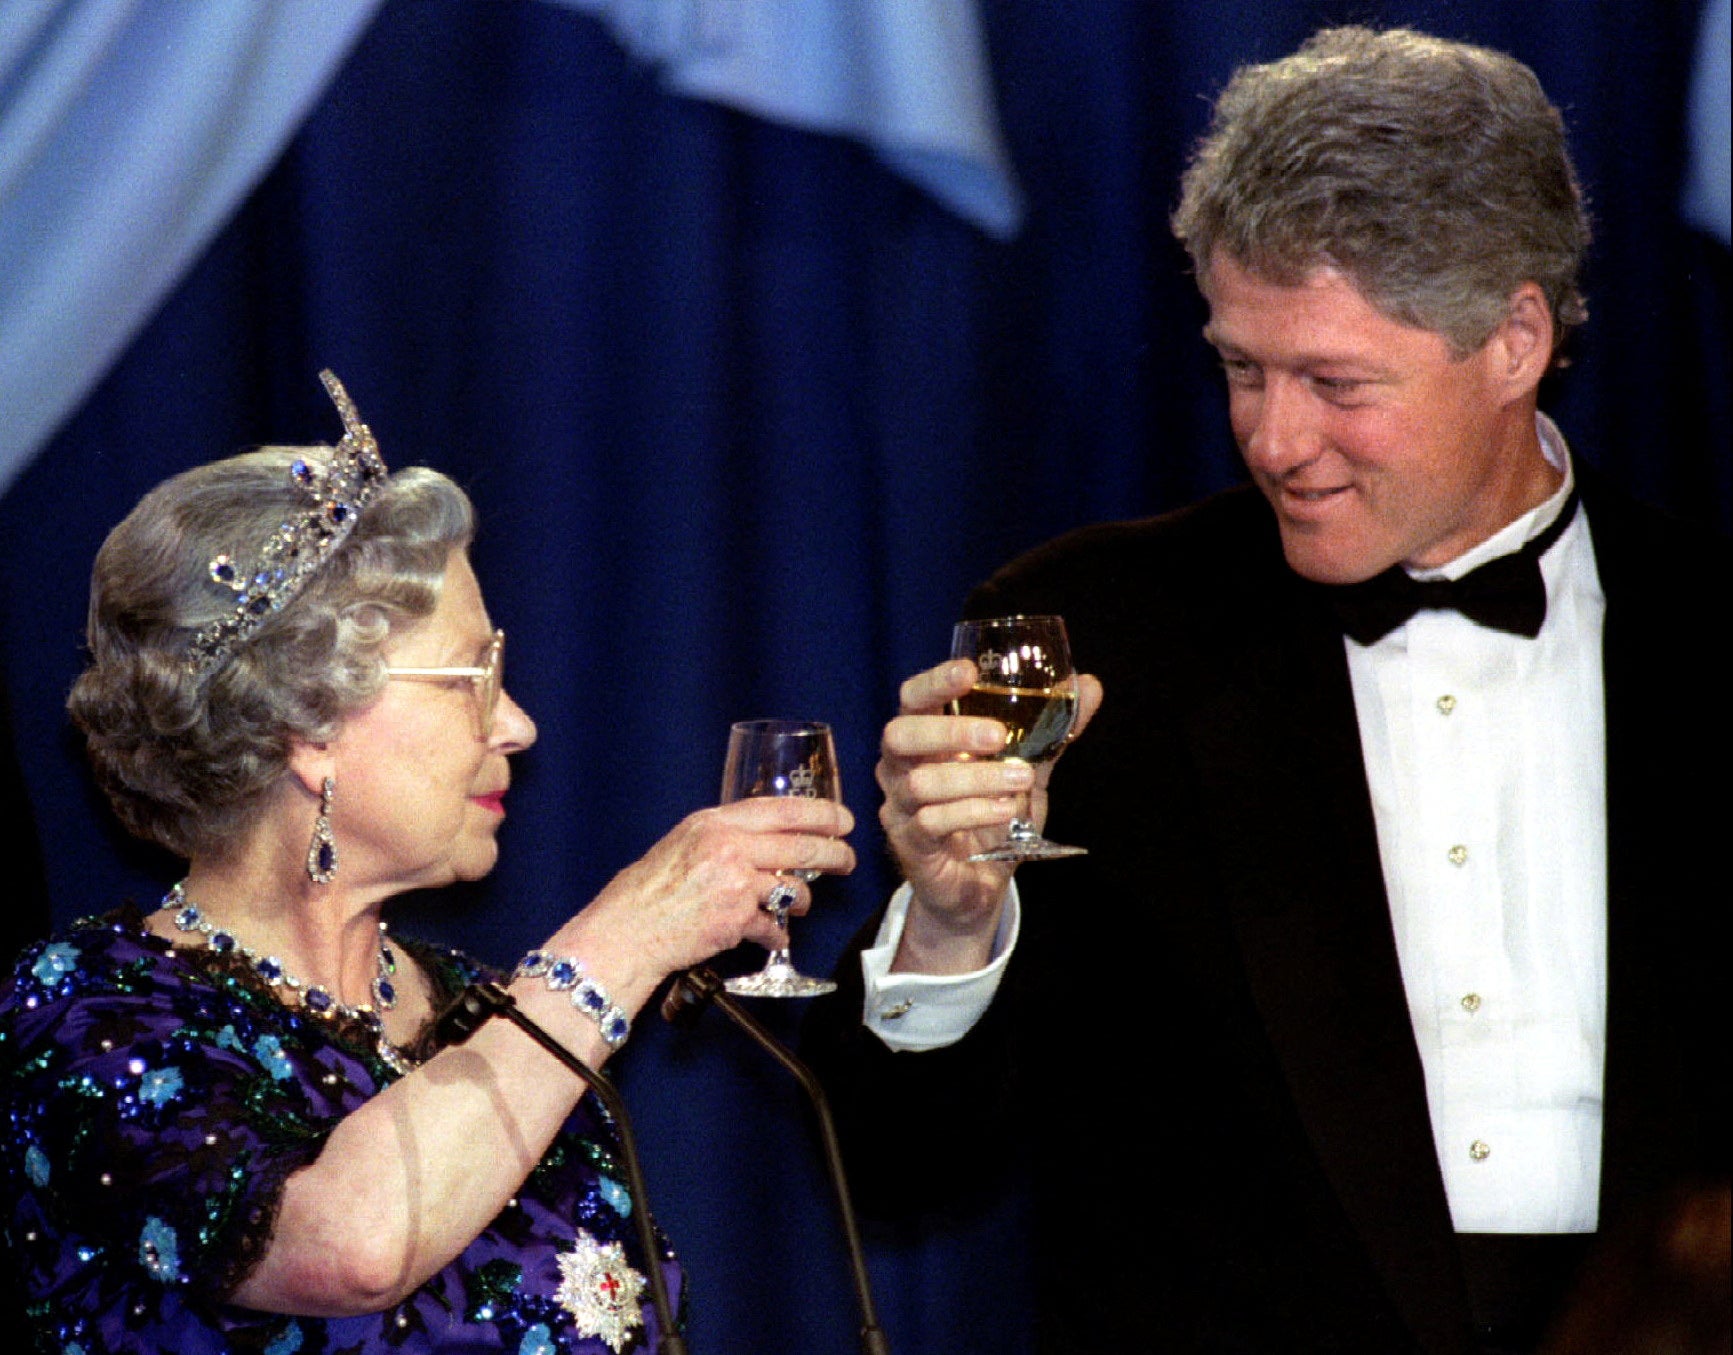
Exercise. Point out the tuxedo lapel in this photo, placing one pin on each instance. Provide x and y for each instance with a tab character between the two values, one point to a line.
1279	753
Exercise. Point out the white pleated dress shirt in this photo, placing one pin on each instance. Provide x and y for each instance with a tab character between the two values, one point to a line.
1486	758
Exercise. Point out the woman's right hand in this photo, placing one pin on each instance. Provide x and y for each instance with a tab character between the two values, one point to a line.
701	889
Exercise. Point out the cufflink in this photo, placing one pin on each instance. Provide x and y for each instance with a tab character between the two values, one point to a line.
896	1009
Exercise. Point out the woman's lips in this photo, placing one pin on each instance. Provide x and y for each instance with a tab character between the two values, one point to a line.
493	803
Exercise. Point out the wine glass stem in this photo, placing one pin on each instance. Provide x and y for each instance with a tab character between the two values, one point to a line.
779	957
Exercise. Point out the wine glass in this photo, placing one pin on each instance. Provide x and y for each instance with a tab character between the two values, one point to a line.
1025	681
780	757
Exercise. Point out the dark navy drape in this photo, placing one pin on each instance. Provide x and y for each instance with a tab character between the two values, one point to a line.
744	415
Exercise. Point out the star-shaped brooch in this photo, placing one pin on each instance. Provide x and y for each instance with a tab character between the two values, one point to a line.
600	1291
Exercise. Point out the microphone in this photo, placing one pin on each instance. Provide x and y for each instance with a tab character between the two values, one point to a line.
479	1002
698	988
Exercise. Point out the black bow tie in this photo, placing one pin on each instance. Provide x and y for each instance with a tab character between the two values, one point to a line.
1505	594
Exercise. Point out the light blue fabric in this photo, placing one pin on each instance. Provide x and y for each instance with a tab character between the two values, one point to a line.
1708	201
129	131
909	78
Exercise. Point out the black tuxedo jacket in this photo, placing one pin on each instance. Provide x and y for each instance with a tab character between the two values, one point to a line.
1202	1049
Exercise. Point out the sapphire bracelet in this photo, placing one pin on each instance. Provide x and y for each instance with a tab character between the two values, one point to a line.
566	974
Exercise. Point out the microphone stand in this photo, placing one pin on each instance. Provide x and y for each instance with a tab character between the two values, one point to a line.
472	1009
697	988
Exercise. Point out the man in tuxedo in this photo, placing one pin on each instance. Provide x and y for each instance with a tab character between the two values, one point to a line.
1395	972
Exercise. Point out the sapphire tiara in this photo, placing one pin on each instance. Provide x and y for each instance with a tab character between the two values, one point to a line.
337	492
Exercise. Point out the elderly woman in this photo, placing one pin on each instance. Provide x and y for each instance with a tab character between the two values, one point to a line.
230	1128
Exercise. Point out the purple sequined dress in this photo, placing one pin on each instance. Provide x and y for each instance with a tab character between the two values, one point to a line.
158	1099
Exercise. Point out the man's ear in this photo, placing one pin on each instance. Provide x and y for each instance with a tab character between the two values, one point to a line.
1521	348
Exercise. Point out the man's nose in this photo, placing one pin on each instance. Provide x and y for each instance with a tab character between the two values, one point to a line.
1281	428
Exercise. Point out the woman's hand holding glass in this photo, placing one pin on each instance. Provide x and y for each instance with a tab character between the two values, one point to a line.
702	887
781	759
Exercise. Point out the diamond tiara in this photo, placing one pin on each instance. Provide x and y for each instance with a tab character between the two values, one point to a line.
337	492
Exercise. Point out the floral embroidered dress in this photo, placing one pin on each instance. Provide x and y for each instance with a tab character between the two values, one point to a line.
157	1100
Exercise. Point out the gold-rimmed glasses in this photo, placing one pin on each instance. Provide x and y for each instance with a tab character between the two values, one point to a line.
486	680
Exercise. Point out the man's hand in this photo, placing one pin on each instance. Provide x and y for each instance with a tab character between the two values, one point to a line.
947	796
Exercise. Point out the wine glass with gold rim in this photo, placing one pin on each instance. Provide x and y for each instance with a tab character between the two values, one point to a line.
1024	680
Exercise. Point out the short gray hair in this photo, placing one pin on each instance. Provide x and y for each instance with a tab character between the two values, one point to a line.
1433	174
187	760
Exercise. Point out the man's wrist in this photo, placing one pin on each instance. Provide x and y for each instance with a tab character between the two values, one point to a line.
934	943
912	1011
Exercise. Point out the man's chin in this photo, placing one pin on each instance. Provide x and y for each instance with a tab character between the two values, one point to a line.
1322	561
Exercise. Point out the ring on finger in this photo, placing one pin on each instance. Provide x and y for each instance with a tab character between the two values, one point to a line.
780	899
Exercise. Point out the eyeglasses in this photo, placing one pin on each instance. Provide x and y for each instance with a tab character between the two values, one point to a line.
486	680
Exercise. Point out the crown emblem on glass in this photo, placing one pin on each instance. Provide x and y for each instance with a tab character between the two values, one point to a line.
336	492
1026	682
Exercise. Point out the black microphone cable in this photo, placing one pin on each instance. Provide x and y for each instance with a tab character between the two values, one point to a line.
479	1002
698	988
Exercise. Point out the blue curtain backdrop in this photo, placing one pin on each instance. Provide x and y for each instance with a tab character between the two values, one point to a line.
744	415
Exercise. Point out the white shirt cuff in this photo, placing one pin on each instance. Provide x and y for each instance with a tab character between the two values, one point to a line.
929	1011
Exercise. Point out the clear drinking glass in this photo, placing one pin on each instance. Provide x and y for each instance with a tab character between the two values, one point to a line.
780	757
1027	683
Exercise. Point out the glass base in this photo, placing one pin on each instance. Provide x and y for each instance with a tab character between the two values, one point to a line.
778	980
1026	849
1023	843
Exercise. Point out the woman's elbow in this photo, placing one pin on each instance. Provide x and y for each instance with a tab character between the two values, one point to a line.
364	1275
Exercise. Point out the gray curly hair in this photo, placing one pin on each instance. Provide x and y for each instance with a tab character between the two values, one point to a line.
1434	174
186	760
